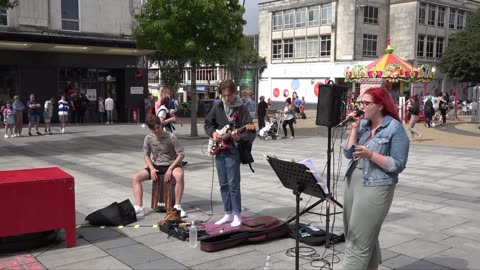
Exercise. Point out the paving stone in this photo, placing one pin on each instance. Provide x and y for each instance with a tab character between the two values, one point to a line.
248	260
107	262
114	243
456	259
97	233
469	230
69	256
135	254
418	248
462	243
164	263
405	262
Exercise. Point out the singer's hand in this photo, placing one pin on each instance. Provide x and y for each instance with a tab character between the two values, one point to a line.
355	120
362	152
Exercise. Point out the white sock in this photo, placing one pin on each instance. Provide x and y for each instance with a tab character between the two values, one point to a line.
237	221
227	218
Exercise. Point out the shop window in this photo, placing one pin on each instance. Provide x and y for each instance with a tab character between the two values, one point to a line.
70	15
8	83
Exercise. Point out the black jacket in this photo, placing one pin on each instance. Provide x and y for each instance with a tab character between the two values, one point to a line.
217	119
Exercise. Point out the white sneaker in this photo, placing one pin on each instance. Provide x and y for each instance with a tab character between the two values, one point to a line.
143	125
139	211
13	135
179	207
6	136
63	130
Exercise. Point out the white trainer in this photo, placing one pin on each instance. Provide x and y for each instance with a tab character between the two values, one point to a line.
139	211
182	213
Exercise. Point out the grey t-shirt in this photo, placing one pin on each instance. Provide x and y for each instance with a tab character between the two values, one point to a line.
164	149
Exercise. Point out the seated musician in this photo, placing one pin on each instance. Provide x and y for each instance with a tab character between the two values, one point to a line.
163	155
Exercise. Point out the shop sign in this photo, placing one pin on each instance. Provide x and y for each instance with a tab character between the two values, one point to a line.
136	90
92	94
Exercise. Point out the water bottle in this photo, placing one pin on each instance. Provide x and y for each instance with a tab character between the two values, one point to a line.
192	236
268	264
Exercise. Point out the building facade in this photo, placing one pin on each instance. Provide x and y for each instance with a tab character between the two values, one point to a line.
72	47
308	42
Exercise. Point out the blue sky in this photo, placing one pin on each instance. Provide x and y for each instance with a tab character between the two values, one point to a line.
251	16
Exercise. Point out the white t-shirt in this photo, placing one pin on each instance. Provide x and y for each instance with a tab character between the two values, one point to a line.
109	104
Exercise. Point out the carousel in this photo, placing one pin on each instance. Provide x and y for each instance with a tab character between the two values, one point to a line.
398	75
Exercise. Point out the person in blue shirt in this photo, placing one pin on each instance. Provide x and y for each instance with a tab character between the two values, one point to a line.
378	151
18	109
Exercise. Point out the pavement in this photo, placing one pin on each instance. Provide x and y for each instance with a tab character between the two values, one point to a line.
434	221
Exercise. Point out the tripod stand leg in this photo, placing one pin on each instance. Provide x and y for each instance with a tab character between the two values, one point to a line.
305	210
297	234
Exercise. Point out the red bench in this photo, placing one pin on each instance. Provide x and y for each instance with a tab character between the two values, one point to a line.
36	200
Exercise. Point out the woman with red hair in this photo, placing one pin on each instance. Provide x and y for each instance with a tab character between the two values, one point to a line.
378	151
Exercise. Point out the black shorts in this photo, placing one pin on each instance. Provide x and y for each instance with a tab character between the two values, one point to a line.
161	170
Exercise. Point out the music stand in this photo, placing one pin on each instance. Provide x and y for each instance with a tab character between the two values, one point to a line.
300	179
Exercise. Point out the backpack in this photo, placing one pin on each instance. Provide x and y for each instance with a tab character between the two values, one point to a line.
167	127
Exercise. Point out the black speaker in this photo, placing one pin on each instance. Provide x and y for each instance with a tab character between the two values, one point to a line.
332	105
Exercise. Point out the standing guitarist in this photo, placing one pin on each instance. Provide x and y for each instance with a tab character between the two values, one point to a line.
230	111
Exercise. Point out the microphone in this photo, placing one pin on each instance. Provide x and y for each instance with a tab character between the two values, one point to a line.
348	119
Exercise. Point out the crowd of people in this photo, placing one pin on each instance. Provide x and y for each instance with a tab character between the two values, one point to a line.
71	109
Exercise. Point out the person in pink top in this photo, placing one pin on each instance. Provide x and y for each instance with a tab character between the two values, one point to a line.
8	116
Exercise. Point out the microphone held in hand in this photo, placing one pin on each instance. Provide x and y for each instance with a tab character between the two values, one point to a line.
348	119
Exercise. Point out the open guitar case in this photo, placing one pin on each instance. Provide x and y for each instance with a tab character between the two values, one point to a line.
258	229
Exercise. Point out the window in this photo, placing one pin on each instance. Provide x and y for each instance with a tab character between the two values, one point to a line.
70	18
325	45
370	14
312	47
431	14
153	76
421	46
451	20
460	19
369	45
288	48
277	49
289	19
326	14
277	21
313	16
3	16
301	18
300	48
430	43
441	17
421	14
439	47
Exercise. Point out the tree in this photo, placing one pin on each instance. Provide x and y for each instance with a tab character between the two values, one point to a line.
8	3
199	31
462	58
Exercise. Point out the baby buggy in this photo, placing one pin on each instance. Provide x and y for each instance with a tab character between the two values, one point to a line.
272	127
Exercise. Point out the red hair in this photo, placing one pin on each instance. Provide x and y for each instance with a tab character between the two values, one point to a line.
381	96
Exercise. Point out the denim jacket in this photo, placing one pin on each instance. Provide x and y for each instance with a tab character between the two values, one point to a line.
390	140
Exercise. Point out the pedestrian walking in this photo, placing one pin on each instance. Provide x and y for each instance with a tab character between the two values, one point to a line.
289	111
429	110
18	109
262	111
443	106
413	111
378	151
109	106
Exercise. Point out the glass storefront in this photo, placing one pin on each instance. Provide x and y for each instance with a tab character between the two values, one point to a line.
8	83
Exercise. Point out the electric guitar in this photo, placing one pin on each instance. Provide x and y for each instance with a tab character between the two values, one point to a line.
216	146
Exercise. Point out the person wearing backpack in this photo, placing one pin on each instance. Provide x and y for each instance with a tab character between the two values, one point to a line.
232	112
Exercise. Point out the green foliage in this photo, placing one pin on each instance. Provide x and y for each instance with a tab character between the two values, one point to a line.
461	58
8	3
194	31
248	55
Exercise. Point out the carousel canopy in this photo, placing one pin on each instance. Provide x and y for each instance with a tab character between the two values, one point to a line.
391	68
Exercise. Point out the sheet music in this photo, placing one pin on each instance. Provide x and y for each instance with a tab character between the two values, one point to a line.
321	181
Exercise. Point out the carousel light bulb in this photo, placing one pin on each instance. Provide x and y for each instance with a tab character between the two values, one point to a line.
434	69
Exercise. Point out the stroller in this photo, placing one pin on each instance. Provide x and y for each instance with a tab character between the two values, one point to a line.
272	127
